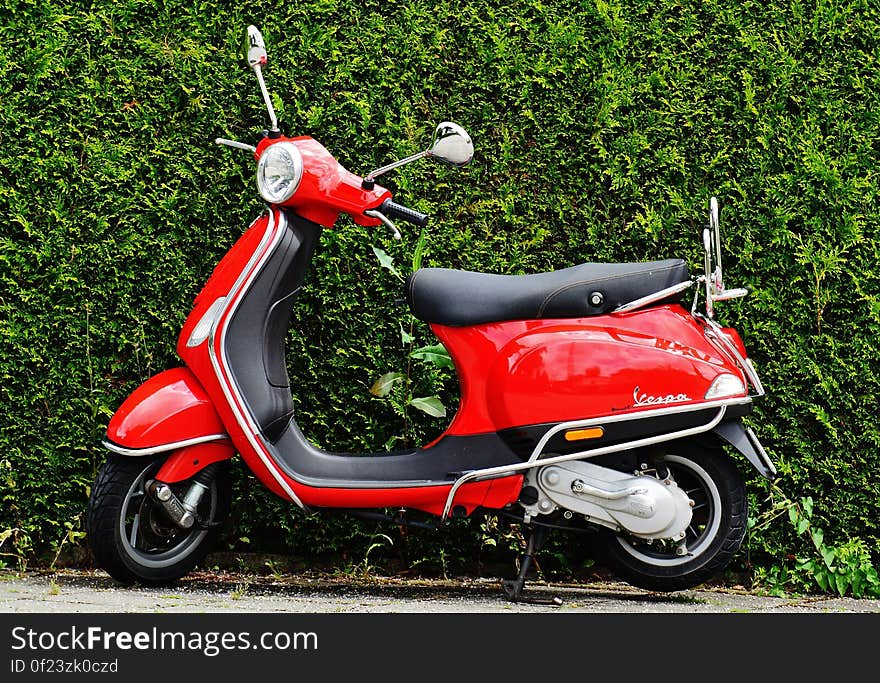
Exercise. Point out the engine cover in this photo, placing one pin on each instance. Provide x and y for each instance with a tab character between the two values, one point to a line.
641	505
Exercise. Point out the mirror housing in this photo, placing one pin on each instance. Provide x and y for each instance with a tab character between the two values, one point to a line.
452	144
255	48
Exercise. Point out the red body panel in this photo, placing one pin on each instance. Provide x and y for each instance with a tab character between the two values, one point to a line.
327	188
168	408
495	493
532	372
185	462
220	283
736	340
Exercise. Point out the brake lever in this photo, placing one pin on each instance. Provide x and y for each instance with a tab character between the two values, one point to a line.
236	144
375	213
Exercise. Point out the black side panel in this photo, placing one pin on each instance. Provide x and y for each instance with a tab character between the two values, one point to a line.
256	333
256	356
443	462
522	440
747	443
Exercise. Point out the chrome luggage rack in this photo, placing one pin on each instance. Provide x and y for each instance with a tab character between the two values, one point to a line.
536	459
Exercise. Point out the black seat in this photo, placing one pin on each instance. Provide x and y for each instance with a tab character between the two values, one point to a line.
460	298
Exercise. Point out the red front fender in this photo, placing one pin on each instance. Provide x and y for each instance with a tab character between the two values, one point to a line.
169	411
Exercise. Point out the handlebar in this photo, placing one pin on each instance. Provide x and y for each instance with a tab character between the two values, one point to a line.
404	213
236	144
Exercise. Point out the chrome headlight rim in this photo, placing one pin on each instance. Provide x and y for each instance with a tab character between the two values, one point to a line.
279	172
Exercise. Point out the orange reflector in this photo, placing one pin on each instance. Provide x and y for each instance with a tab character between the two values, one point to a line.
581	434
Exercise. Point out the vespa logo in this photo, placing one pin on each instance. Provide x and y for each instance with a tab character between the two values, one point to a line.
648	400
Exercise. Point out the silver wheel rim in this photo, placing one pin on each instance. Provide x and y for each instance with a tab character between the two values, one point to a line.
128	534
706	537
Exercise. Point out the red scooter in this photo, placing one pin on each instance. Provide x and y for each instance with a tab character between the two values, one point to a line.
591	399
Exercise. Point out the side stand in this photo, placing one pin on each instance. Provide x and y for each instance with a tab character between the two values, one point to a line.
513	588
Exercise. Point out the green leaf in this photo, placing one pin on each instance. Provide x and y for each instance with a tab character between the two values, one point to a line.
382	386
386	261
841	582
818	536
828	555
808	505
858	581
405	337
802	525
419	251
435	354
430	405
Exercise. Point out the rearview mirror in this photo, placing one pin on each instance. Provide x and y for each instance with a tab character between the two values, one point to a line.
452	144
255	48
257	58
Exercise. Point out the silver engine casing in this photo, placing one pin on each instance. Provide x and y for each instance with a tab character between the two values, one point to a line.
641	505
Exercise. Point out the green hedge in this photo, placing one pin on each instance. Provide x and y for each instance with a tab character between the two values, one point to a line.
601	128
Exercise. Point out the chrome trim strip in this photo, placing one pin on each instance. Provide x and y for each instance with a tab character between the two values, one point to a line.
659	412
656	296
152	450
753	377
243	283
534	461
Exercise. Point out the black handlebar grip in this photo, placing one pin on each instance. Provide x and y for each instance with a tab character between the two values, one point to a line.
404	213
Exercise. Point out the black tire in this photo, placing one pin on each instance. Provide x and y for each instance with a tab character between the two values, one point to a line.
159	552
715	484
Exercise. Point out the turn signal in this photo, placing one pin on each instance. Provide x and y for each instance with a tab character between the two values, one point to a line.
725	385
581	434
206	325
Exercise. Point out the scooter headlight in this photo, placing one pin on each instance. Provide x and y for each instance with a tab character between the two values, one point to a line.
725	385
279	171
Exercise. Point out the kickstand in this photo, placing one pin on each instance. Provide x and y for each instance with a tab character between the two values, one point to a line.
513	588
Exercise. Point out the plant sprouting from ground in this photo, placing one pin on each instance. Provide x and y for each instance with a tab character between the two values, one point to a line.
842	569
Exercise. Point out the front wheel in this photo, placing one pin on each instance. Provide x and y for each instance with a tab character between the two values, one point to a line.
130	535
720	511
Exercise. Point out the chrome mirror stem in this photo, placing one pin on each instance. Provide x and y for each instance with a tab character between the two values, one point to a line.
257	57
372	175
236	144
266	98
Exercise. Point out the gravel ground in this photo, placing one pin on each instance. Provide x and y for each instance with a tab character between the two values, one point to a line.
72	591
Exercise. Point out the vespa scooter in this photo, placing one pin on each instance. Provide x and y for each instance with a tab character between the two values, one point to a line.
591	399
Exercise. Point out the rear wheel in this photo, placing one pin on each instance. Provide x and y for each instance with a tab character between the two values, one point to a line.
129	533
717	528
